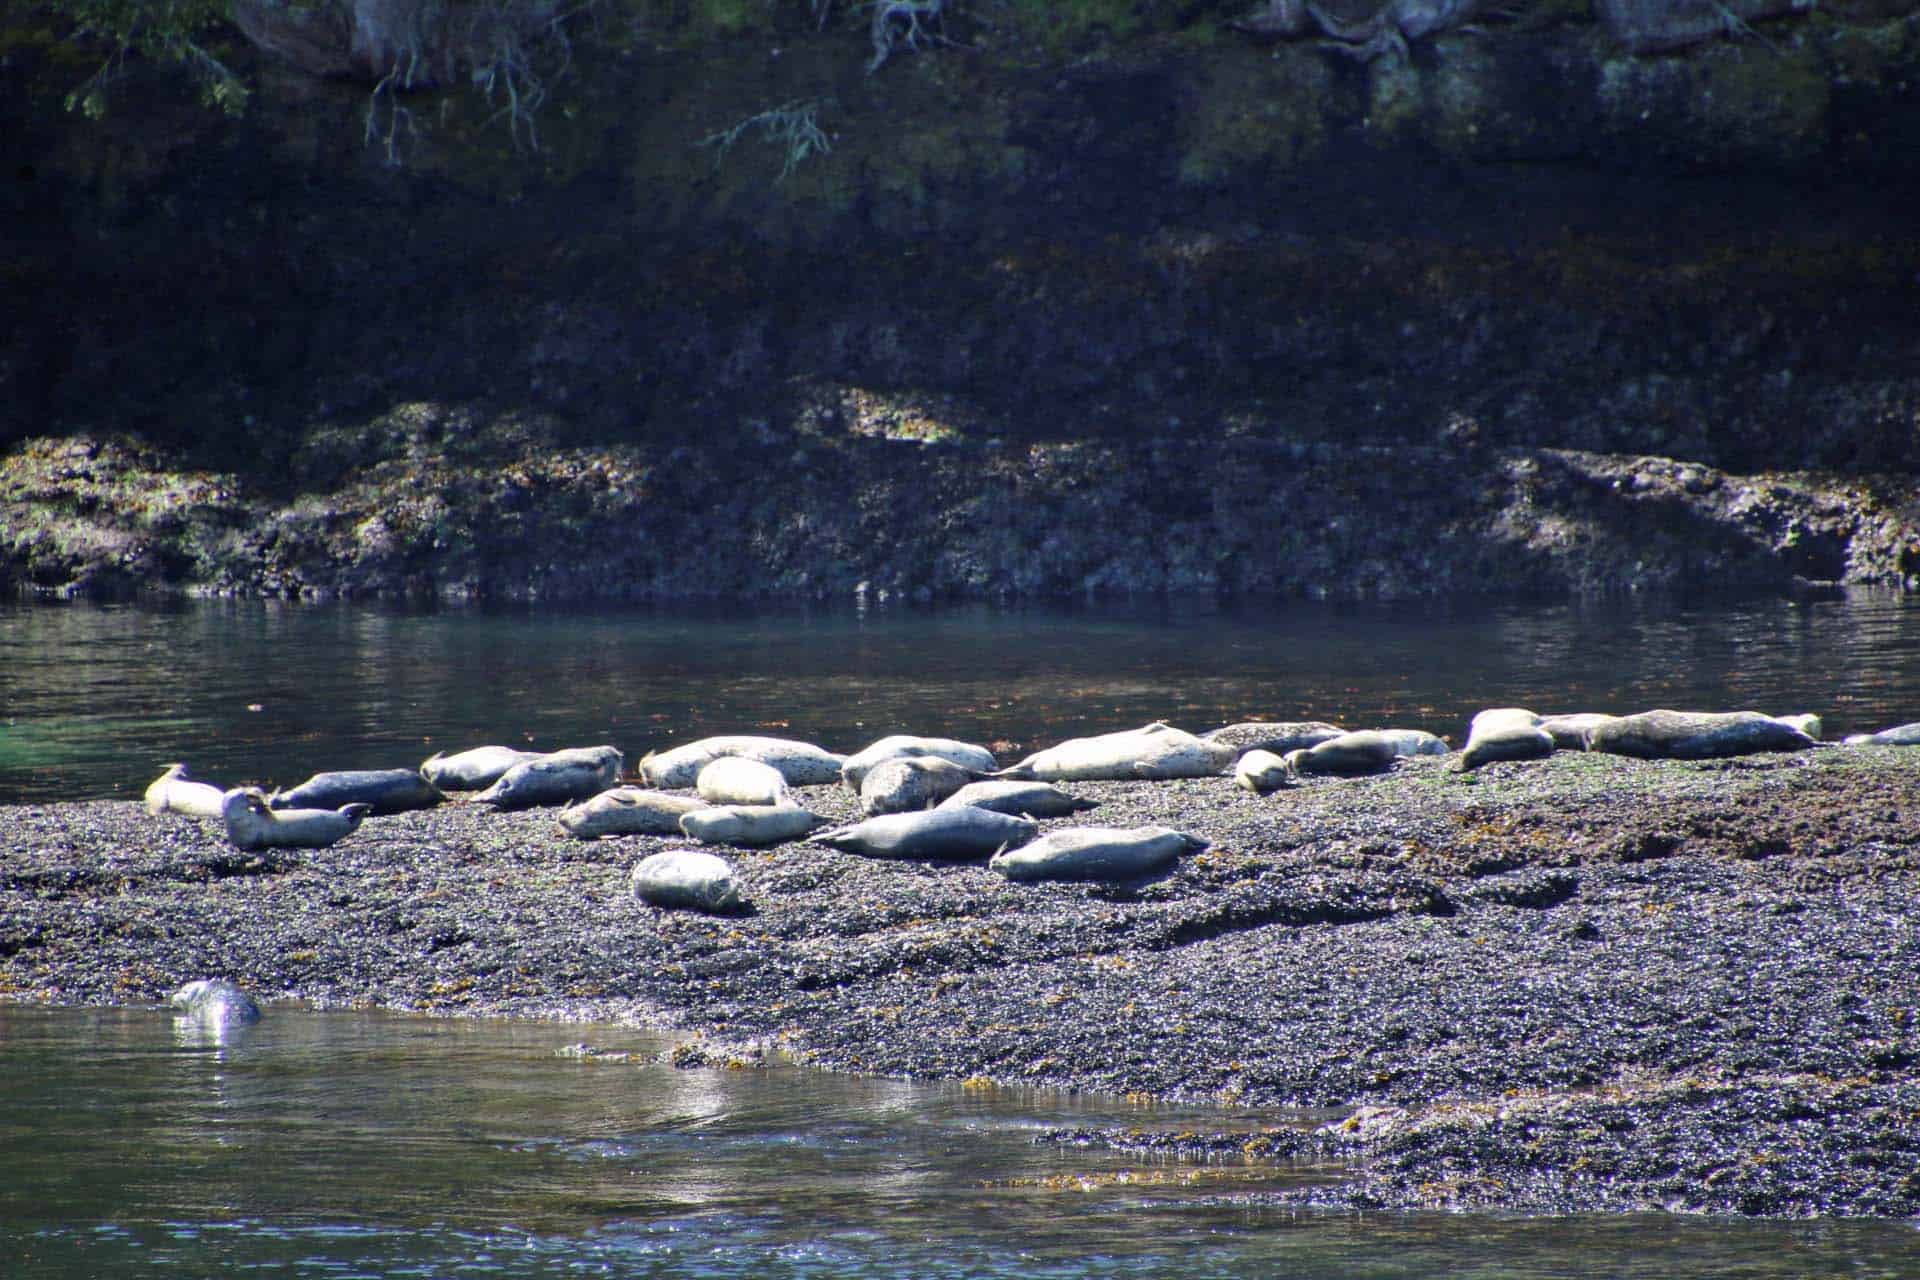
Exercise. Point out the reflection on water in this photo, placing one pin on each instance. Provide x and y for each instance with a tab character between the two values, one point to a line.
361	1144
95	699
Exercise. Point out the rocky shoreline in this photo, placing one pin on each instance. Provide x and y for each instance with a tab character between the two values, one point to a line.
1584	983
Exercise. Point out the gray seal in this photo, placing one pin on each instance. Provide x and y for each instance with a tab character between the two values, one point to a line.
691	879
577	773
1504	733
1901	735
1261	771
748	825
738	780
901	746
1156	751
1363	751
801	763
252	824
932	834
1279	736
1696	735
475	769
906	783
171	792
627	811
1020	799
1096	853
381	790
214	1001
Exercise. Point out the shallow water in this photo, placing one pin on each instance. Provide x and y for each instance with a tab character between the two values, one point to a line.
95	700
360	1144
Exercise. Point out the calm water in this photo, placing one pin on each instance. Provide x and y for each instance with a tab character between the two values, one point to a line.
357	1144
95	700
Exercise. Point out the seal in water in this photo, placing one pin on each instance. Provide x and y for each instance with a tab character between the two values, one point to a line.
1363	751
1696	735
906	783
1096	853
472	770
1279	736
1020	799
1261	771
738	780
171	792
903	745
251	824
801	763
687	878
1156	751
578	773
748	825
627	811
1901	735
932	834
214	1000
381	790
1504	733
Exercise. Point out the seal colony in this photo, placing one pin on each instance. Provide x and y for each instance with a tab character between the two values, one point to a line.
1705	945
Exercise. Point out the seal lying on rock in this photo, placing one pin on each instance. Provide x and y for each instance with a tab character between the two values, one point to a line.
801	763
1261	771
252	824
1021	799
576	773
1504	733
627	811
381	790
1806	722
214	1001
1095	853
738	780
1408	743
901	746
171	792
1365	751
1279	737
1156	751
1695	735
1901	735
1570	732
749	825
912	782
689	878
959	833
472	770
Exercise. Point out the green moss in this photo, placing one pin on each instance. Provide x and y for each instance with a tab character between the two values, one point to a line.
726	17
1256	111
1073	26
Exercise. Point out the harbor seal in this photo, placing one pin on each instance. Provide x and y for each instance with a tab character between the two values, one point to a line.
906	783
1408	743
748	825
738	780
1363	751
932	834
577	773
1261	771
627	811
902	745
1504	733
1156	751
475	769
1279	736
1901	735
171	792
216	1002
692	879
1571	732
1020	799
253	824
1806	722
1696	735
383	791
801	763
1096	853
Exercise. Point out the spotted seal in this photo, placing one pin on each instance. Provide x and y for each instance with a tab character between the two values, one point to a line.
1261	771
692	879
214	1000
911	782
1362	751
1278	737
932	834
1408	743
171	792
475	769
253	824
1504	733
902	746
577	773
738	780
1095	853
801	763
1156	751
1570	732
748	825
1696	735
1020	799
627	811
383	791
